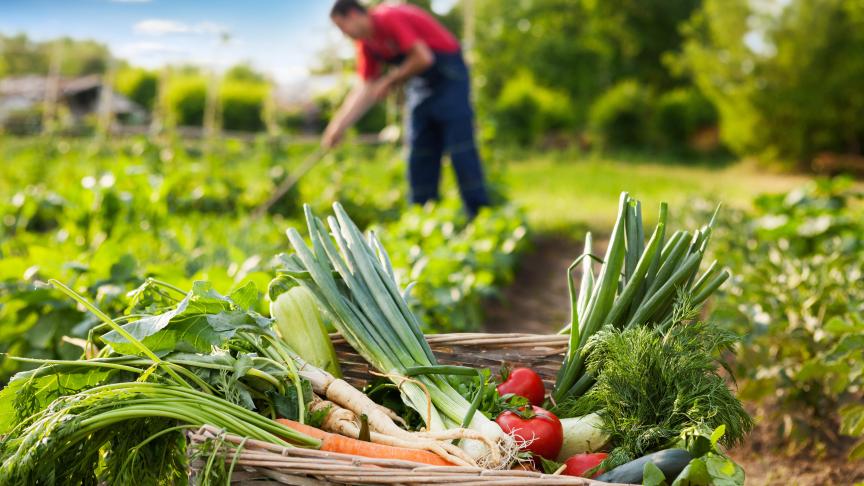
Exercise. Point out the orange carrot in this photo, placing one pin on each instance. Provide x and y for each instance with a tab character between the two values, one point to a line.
346	445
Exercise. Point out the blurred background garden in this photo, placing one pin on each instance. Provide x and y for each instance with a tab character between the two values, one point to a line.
138	139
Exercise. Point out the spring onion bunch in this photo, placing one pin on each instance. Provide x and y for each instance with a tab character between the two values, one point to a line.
638	284
65	440
351	276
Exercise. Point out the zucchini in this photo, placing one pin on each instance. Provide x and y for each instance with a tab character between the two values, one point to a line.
670	461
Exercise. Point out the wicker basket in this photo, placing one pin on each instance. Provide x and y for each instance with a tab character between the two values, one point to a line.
261	463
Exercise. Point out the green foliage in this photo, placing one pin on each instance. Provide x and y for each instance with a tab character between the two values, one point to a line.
456	264
652	385
709	465
576	48
139	85
26	121
525	110
20	55
786	86
797	294
120	214
547	38
242	104
622	114
186	96
245	73
679	115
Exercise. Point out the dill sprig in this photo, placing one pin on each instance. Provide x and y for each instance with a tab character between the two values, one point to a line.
653	383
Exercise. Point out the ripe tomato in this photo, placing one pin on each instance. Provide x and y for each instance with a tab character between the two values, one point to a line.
578	464
525	383
539	426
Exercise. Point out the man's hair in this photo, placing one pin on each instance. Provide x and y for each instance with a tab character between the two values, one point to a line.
344	7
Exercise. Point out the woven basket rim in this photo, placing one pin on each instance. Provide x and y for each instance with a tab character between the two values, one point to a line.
480	338
294	465
336	467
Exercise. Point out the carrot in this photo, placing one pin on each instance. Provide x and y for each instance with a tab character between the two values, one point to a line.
346	445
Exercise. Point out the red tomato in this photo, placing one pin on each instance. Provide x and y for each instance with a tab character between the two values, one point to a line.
525	383
578	464
539	426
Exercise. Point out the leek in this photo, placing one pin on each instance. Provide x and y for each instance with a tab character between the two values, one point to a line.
638	285
351	276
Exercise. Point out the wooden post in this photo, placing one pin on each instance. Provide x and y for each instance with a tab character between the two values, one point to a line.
469	26
106	99
159	116
469	32
211	113
269	110
52	90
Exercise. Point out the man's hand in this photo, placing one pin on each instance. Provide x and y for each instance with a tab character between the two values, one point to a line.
332	135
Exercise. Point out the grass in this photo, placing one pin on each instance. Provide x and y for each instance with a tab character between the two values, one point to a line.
567	192
562	191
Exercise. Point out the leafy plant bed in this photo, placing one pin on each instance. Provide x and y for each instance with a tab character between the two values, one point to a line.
797	296
106	218
652	407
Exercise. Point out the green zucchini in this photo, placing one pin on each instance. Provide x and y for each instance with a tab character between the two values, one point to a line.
670	461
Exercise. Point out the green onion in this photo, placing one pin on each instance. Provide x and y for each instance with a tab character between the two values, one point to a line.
73	429
638	285
350	275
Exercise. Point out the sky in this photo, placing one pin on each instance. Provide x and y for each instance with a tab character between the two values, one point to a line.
280	37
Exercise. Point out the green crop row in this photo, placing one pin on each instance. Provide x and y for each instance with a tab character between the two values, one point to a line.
105	218
797	293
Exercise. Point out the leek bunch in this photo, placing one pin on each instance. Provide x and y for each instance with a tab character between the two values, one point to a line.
351	276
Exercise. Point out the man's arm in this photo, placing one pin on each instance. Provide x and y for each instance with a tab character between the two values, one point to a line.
367	93
356	104
418	59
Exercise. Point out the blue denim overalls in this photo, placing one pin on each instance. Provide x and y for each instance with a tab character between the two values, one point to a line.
440	119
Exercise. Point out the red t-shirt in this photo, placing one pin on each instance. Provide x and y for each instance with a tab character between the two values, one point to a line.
396	29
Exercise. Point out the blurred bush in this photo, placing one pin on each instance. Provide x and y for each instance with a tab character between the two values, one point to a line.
787	83
242	105
679	116
139	85
26	121
526	110
622	115
186	96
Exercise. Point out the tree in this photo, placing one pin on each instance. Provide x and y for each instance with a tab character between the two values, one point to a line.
787	86
20	55
244	72
547	38
581	47
641	33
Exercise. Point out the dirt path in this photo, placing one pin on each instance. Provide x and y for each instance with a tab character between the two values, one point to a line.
537	302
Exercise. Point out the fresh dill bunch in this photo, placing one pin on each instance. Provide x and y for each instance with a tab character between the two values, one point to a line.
653	383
